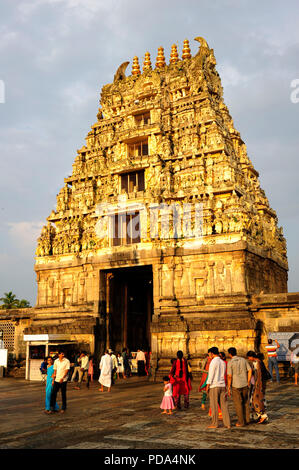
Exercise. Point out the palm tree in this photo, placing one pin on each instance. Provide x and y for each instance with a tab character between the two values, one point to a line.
9	301
23	304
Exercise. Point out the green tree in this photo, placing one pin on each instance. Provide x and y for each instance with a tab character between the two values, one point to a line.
9	301
24	304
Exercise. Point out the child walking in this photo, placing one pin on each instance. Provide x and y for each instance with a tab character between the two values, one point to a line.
167	403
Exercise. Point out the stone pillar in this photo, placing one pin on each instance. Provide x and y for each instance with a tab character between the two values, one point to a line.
157	275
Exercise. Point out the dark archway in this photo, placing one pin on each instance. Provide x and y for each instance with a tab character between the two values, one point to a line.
129	299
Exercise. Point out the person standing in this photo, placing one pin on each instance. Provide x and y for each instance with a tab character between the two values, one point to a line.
114	365
140	358
49	386
238	379
106	366
90	371
203	381
180	379
76	367
43	370
271	349
223	357
127	369
83	370
59	381
120	365
217	389
259	388
167	404
295	364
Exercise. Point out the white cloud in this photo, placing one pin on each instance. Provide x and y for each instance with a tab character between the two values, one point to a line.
8	38
231	76
46	58
24	235
78	95
82	9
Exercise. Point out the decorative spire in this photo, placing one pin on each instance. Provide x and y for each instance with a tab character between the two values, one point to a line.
174	57
147	65
160	61
186	50
135	66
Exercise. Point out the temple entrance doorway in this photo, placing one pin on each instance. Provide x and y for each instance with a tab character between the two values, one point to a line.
129	307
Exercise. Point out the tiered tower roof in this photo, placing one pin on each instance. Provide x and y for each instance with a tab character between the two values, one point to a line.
171	123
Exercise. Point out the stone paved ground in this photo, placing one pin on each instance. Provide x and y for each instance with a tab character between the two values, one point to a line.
129	418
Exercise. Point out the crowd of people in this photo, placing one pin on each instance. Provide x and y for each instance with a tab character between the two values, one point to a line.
242	379
59	370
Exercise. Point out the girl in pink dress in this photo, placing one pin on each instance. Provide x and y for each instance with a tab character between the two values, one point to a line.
90	371
167	403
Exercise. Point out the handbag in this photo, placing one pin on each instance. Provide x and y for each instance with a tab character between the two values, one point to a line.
265	373
268	376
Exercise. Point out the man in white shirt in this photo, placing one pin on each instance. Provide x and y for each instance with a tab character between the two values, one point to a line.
60	376
141	361
217	389
83	361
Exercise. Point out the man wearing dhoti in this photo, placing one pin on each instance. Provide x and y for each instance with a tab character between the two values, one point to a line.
106	366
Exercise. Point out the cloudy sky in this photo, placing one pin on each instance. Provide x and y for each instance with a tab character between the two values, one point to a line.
57	54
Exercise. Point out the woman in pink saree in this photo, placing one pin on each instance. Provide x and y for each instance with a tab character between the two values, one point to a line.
180	380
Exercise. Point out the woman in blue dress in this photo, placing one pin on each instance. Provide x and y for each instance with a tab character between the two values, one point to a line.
49	386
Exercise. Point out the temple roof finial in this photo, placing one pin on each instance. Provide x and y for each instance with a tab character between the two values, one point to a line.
135	66
186	50
147	65
174	57
160	61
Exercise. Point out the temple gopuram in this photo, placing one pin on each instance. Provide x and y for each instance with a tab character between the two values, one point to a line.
162	237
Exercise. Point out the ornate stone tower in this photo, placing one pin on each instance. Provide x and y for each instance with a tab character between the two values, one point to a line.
164	144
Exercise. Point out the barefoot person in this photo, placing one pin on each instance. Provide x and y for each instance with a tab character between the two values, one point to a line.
181	381
258	393
49	386
106	366
217	389
167	403
239	376
60	376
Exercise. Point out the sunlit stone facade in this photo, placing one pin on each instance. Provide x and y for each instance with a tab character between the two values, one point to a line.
163	137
